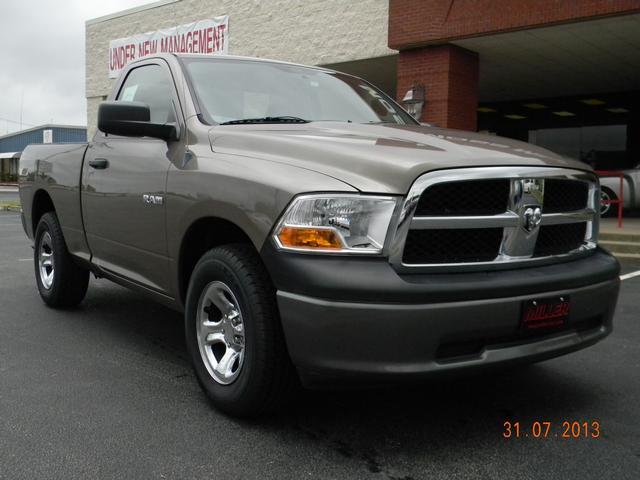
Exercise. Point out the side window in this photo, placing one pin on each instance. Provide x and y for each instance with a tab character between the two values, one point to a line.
150	84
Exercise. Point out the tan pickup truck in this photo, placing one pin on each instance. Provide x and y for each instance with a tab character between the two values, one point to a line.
312	231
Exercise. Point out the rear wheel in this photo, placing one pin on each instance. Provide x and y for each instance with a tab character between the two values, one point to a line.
233	333
61	282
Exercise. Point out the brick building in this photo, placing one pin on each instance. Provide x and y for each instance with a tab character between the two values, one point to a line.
564	74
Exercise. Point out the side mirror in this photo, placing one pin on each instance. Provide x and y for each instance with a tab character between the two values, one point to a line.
132	119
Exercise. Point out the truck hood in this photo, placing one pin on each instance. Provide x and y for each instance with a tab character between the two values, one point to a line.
378	158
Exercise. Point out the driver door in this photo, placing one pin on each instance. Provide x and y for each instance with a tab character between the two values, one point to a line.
124	187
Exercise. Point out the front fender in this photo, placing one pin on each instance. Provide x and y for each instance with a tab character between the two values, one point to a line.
248	192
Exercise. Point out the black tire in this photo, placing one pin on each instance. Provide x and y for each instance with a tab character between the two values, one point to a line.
266	377
68	284
612	211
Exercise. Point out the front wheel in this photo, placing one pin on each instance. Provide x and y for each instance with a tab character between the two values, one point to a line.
608	209
61	282
233	333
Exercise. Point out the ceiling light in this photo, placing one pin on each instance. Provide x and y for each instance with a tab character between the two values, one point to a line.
486	109
514	116
617	110
535	106
564	113
593	101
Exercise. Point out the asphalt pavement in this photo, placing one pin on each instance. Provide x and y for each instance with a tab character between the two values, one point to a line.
105	391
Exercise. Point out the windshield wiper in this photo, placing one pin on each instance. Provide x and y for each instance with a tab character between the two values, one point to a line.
282	119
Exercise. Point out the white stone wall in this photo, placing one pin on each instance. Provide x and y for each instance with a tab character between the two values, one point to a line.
313	32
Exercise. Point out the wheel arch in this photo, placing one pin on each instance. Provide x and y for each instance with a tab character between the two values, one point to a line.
42	203
201	236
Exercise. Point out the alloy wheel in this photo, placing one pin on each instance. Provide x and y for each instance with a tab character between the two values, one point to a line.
220	332
46	264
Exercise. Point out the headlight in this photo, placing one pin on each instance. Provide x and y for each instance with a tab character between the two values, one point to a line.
336	223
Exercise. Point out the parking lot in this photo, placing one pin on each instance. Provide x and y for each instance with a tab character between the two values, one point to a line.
106	391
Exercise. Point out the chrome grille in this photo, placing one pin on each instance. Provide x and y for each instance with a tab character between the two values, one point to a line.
559	239
481	197
452	246
524	215
562	195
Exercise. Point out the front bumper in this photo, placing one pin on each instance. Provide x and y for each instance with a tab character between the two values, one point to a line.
417	325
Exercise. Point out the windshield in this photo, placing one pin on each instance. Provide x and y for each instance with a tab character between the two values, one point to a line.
234	90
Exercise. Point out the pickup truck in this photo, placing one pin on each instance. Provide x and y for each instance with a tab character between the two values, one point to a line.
315	234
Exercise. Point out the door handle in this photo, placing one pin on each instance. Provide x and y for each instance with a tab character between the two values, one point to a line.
99	163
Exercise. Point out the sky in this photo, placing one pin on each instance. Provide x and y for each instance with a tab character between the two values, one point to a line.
42	59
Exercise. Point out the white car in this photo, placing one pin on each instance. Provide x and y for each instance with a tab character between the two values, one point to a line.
610	190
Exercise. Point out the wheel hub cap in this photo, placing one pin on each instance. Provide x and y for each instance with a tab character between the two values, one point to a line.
604	207
45	260
220	332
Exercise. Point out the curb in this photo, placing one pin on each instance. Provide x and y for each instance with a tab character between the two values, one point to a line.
10	209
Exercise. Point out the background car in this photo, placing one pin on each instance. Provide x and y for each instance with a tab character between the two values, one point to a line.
610	190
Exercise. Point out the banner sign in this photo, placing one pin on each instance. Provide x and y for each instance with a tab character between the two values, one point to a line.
209	37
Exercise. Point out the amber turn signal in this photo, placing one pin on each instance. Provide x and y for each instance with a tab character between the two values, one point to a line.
309	238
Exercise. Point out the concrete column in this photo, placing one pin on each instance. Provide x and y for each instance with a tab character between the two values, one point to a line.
450	76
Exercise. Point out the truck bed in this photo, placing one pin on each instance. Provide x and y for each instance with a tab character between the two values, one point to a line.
56	171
